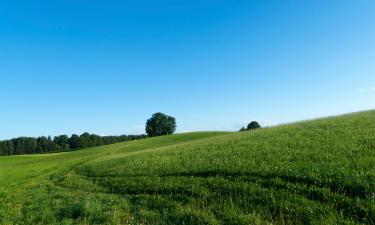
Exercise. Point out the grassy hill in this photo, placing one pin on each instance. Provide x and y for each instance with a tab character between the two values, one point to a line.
313	172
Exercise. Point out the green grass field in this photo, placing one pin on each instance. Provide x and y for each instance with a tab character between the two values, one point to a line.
313	172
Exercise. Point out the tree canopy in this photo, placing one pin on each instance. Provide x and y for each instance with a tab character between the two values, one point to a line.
253	125
160	124
30	145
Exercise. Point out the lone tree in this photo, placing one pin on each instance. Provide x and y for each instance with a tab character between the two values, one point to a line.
253	125
160	124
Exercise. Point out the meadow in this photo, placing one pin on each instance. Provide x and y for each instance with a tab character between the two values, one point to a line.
311	172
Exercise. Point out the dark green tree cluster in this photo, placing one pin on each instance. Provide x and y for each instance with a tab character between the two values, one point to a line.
253	125
160	124
29	145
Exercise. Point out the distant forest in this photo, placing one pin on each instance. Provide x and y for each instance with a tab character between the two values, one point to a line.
30	145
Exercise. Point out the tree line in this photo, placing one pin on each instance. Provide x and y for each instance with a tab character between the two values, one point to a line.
159	124
30	145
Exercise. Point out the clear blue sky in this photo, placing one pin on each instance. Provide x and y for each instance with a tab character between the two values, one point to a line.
70	66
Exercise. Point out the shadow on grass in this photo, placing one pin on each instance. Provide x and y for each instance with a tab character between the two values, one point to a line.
347	199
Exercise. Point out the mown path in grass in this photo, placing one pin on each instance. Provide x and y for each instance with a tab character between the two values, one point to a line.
313	172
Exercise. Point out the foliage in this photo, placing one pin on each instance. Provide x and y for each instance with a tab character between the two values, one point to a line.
160	124
29	145
253	125
315	172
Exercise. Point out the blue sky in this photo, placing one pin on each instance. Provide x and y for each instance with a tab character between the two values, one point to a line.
106	66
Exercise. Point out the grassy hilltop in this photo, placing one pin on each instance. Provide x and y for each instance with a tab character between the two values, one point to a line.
313	172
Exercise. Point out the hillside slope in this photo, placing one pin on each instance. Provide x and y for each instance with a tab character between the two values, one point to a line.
313	172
